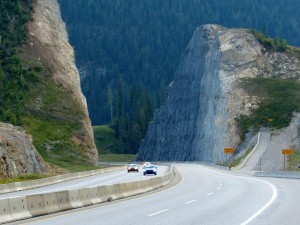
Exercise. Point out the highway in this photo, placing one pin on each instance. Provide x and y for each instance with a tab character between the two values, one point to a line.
120	176
204	195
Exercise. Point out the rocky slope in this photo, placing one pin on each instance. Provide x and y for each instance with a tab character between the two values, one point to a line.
17	154
197	119
48	44
56	119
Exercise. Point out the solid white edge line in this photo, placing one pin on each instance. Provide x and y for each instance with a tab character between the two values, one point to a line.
158	212
274	195
190	202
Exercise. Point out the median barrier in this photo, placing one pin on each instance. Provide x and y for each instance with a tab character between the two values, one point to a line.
132	188
119	192
74	197
18	208
50	203
103	193
4	211
18	186
85	196
146	186
35	205
63	200
95	199
5	188
125	190
110	192
243	163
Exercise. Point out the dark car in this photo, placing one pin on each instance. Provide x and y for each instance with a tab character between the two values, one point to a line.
132	167
150	170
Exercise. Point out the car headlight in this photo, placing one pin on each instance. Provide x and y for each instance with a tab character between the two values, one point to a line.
154	170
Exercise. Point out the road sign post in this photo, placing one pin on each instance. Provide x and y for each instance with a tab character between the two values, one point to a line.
284	153
228	151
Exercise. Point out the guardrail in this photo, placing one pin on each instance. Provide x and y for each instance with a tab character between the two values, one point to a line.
19	186
243	163
12	209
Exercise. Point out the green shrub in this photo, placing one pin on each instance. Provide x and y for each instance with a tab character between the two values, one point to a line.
282	98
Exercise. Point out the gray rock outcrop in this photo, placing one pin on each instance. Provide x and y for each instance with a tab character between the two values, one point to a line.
197	119
17	154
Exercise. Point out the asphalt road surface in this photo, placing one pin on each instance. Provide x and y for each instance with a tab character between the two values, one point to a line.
114	177
204	196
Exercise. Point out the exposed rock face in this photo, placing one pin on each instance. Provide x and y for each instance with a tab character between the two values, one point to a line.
17	154
48	31
197	119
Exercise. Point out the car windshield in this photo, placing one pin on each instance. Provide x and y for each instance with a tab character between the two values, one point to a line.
150	167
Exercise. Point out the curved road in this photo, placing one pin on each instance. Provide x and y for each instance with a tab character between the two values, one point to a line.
204	196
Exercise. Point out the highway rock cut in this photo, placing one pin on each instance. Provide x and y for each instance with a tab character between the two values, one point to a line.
197	119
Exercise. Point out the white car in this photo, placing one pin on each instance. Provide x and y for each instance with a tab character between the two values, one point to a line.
146	164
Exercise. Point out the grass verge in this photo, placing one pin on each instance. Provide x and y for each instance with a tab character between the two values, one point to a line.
24	177
293	160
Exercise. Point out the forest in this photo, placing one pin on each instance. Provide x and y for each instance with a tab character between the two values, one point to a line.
127	52
15	78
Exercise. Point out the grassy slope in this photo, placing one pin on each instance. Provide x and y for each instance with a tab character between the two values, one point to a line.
51	116
53	123
106	144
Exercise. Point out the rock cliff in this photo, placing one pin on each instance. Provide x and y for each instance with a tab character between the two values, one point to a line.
197	119
17	154
48	44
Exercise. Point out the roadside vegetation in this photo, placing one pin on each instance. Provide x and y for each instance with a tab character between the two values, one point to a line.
15	79
294	160
23	177
280	99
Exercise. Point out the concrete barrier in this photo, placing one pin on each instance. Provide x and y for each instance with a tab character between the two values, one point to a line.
279	174
35	205
18	208
75	201
95	197
85	196
4	211
6	188
63	200
51	203
103	193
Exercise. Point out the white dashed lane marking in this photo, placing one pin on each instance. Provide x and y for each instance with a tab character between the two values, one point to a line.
190	202
153	214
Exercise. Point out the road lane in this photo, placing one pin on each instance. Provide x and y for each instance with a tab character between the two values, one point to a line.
113	177
213	197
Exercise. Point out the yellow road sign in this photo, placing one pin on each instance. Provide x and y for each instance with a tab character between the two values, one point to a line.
228	150
287	151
